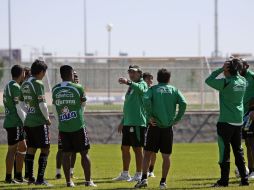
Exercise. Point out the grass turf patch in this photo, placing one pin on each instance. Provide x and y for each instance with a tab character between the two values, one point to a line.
194	166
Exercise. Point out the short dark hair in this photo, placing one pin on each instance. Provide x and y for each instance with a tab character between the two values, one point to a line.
147	75
235	65
163	76
66	72
16	71
38	66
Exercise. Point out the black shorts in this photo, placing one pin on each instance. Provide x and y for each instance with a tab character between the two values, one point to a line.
38	137
77	141
133	136
157	138
14	135
60	145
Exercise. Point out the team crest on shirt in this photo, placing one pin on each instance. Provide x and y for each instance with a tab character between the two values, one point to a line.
26	89
67	115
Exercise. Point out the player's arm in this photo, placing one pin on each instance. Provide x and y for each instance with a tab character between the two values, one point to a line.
83	98
40	93
148	103
181	106
16	93
140	87
55	114
217	84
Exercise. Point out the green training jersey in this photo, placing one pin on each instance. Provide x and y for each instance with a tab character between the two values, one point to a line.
249	93
231	92
11	97
134	110
161	102
68	98
33	94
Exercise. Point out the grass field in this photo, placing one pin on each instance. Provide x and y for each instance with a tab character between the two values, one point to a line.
194	166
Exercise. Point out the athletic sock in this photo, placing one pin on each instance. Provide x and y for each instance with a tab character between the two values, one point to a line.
71	170
151	168
30	165
144	176
42	166
163	180
58	171
14	166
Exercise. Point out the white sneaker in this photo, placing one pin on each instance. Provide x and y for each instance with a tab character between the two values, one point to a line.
140	184
150	174
136	177
70	184
163	186
90	184
122	177
251	176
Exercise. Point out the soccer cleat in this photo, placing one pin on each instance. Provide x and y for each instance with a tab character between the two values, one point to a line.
70	184
58	176
219	184
31	180
244	183
136	177
20	180
141	183
11	181
163	185
90	184
43	182
251	176
150	174
122	177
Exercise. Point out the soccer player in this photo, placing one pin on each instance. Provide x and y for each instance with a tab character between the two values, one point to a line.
229	127
68	106
248	96
161	102
13	123
59	154
37	122
133	125
148	78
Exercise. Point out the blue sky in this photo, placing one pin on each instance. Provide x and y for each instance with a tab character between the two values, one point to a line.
158	27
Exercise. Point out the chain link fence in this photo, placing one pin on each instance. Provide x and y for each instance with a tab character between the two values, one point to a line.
100	76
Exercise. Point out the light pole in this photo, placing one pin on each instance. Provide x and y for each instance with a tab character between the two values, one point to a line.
9	25
109	29
85	29
216	30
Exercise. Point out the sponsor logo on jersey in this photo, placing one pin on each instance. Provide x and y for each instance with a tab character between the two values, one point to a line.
65	93
164	90
239	88
65	102
30	110
67	114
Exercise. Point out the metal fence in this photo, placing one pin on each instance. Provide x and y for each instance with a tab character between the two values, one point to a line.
100	76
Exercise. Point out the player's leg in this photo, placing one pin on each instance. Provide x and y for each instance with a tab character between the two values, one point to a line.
165	168
43	143
73	161
126	155
20	157
225	133
82	145
151	166
249	153
151	145
239	154
67	166
59	158
251	160
9	161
